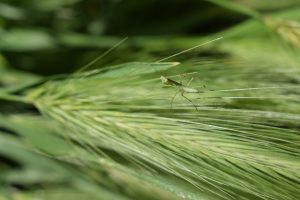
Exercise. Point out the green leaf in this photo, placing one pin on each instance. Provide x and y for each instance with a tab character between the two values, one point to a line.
25	40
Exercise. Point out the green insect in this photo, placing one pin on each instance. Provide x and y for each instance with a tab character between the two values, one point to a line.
181	88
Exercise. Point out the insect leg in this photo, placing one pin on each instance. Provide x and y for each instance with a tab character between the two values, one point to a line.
188	84
174	98
182	94
180	78
195	77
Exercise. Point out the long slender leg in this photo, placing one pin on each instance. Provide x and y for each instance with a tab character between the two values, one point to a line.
195	77
180	78
188	84
182	75
182	94
174	98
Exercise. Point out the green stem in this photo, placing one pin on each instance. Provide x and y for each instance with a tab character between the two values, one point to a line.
11	97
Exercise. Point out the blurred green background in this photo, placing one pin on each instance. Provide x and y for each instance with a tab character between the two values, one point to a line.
55	36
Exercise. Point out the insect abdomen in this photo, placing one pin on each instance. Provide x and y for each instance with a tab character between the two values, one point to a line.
190	90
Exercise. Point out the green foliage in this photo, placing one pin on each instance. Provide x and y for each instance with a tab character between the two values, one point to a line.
112	130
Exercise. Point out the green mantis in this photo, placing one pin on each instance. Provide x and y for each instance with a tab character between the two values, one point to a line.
181	88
